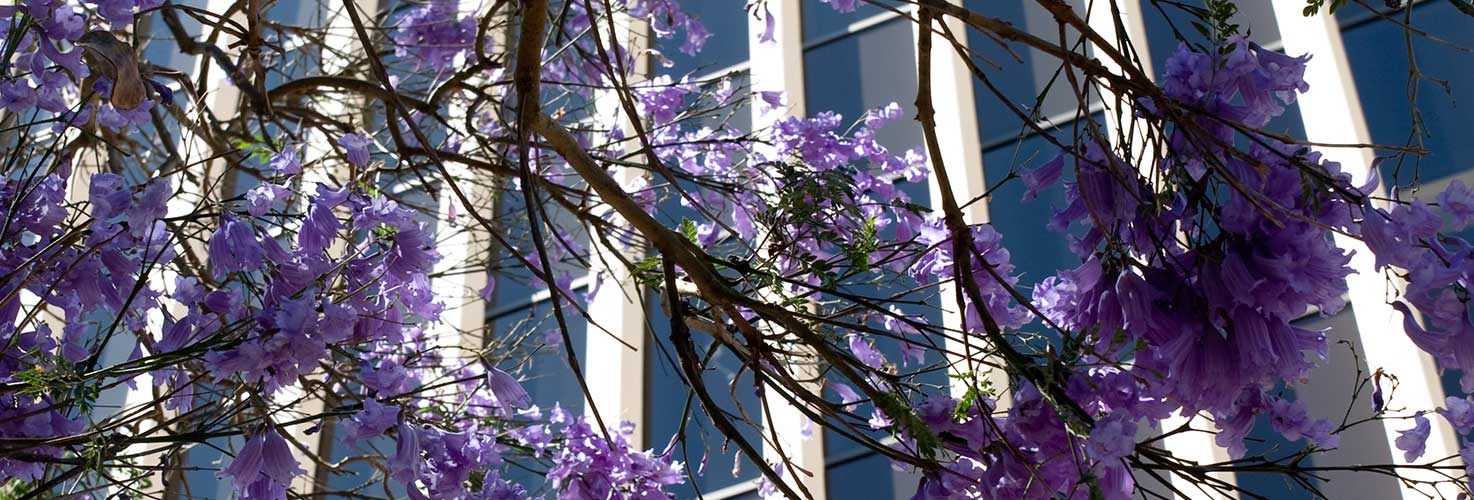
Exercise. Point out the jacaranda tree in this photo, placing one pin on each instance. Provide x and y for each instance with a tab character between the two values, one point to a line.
240	254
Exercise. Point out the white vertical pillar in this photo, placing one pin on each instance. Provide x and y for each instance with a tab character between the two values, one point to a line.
189	197
340	40
1332	113
778	65
961	148
614	365
1127	135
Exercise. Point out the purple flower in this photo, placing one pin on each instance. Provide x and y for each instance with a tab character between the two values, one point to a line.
286	161
1293	422
769	25
879	420
372	421
358	148
1038	179
234	248
1113	437
843	6
404	466
261	198
1460	414
662	99
410	254
508	392
1458	201
264	467
846	393
1412	441
866	353
1467	455
321	226
118	13
17	96
773	99
434	34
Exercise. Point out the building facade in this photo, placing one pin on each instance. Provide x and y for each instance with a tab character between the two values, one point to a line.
823	60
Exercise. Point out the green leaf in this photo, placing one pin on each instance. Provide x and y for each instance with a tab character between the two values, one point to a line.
688	229
900	410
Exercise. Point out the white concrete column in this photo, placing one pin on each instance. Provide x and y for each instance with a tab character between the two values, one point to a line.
1332	113
463	243
778	66
961	147
340	45
1127	134
461	271
614	365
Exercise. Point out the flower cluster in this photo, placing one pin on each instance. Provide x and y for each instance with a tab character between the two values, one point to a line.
434	34
1188	300
1418	242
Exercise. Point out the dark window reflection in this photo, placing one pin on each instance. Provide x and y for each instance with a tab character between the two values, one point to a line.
1378	52
539	359
708	456
1171	22
870	476
822	21
1019	74
869	69
726	20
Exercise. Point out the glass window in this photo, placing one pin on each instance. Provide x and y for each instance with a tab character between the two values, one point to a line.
870	476
734	114
1357	13
714	462
1264	441
205	461
1020	74
1035	251
726	20
358	475
539	359
869	69
515	283
1378	53
160	47
1169	23
822	22
295	12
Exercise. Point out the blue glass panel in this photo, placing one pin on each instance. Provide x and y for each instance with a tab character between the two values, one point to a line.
206	460
1379	61
727	22
160	47
870	477
515	284
1020	74
735	115
930	374
543	367
822	22
1169	23
867	70
1264	441
1036	252
360	475
295	12
731	388
1357	13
